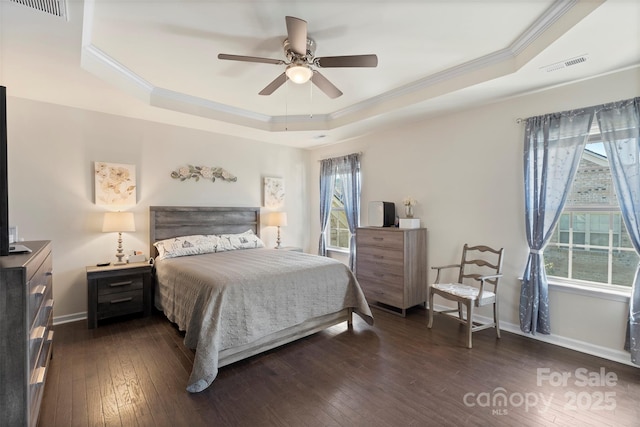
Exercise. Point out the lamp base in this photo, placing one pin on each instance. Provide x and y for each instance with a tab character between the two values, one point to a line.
278	241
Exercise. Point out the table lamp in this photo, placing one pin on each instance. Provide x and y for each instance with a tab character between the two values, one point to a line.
278	219
118	222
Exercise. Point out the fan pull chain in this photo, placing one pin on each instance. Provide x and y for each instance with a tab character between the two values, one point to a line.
311	98
286	105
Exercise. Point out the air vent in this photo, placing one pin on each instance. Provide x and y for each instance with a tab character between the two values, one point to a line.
52	7
566	63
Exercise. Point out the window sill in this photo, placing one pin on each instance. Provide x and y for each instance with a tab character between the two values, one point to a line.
338	250
580	288
590	291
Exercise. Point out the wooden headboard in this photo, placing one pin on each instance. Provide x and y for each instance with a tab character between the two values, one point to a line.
166	222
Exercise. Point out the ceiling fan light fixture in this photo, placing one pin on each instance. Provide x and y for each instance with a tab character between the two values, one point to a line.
299	73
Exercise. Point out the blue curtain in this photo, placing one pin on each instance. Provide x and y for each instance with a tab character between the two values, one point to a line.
553	146
620	128
348	169
327	181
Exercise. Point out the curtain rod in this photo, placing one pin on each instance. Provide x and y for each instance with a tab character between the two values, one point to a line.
337	157
593	107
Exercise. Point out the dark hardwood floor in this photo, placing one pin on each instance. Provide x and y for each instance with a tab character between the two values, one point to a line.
396	373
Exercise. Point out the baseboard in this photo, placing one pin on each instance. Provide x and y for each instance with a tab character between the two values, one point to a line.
619	356
59	320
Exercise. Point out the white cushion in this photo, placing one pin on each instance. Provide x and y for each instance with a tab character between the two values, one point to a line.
465	291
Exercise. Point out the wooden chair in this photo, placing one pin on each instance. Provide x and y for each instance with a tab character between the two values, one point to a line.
479	264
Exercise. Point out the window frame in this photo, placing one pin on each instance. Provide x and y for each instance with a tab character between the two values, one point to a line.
585	287
330	229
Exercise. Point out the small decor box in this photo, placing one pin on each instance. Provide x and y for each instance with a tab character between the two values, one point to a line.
409	222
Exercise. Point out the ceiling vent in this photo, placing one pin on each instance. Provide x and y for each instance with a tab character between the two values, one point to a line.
53	7
566	63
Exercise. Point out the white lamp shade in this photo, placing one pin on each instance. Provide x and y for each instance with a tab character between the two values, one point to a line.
299	73
278	219
118	222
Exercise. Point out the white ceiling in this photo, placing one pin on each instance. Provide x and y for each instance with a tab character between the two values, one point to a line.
157	60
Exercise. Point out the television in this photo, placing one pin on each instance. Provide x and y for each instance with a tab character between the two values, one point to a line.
6	247
4	176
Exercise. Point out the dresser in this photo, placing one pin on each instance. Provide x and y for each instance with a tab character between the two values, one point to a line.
26	334
117	290
391	266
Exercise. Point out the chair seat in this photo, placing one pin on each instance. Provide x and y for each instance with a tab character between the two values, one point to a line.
465	291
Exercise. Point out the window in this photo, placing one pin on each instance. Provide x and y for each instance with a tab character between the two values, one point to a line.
590	242
338	230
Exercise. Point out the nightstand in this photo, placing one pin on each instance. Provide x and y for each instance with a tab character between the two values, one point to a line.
116	290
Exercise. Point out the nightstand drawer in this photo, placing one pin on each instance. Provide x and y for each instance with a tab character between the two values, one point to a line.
116	304
119	284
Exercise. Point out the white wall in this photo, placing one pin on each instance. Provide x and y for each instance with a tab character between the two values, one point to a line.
466	171
51	186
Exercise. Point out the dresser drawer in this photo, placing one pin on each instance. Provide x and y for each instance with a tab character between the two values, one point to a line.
393	240
116	304
384	292
380	255
39	375
125	283
386	272
39	289
40	332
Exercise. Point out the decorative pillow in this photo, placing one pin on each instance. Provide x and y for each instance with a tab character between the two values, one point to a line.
187	245
246	240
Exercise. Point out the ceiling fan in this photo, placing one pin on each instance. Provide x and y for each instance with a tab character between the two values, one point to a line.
300	53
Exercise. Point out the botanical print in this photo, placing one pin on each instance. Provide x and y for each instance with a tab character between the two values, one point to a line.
204	172
273	193
115	184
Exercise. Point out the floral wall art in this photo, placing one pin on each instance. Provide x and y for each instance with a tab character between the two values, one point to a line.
205	172
115	184
273	192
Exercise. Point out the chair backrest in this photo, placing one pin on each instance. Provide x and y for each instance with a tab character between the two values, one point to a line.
480	261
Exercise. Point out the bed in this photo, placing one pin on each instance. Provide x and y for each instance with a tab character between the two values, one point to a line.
235	302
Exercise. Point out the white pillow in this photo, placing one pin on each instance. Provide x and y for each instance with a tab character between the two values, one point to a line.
246	240
187	245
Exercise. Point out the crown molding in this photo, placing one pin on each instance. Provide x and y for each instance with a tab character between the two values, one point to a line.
556	20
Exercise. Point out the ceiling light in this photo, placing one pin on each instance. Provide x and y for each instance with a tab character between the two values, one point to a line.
299	73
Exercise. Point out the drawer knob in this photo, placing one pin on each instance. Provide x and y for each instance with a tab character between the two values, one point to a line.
116	284
378	238
117	301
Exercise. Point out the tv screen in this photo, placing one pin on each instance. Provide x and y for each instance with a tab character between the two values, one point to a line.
4	179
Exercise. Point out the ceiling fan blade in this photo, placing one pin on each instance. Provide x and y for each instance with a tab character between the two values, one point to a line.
275	84
325	85
347	61
297	34
250	59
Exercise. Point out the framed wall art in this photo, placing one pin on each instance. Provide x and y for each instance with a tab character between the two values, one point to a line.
115	184
273	192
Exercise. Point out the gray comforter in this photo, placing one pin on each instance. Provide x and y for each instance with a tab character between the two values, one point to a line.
227	299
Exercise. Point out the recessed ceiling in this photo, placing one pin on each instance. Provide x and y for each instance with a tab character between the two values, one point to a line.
157	60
